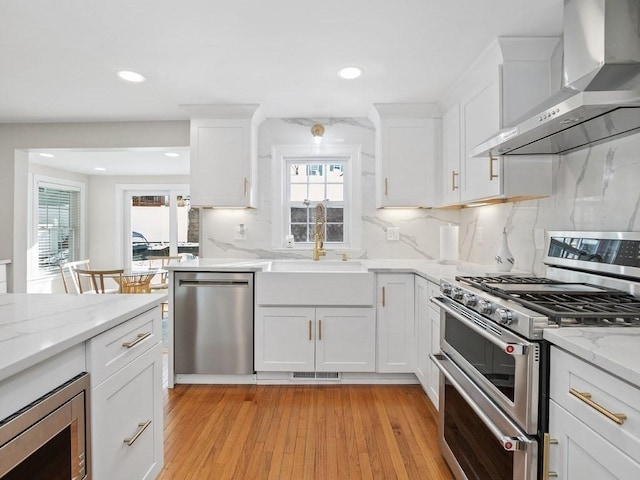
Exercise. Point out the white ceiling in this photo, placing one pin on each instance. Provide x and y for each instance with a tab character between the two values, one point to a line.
139	161
58	59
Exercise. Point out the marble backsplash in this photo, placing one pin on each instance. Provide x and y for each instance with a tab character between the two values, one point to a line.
419	229
594	189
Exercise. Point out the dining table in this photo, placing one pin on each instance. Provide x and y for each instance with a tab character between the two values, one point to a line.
138	280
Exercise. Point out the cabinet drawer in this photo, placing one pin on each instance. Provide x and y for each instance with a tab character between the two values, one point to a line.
127	424
110	351
433	289
610	392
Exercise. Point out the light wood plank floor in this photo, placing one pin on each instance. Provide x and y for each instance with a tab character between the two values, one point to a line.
301	432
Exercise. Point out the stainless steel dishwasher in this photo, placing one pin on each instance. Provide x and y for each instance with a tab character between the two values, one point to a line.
213	323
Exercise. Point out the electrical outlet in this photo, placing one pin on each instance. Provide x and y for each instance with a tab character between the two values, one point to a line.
393	233
240	232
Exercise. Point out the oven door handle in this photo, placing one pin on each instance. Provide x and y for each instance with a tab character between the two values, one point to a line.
509	443
506	347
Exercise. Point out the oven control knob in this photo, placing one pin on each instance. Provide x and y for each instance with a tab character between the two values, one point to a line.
446	288
505	317
469	299
457	294
485	307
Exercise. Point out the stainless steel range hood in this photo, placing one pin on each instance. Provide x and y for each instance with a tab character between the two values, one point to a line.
600	99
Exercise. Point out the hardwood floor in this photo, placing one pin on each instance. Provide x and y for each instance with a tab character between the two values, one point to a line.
301	432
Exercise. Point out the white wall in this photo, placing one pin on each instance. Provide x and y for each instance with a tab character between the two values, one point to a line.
419	229
17	139
595	189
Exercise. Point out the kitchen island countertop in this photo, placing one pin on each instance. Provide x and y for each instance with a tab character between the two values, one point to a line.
613	349
35	327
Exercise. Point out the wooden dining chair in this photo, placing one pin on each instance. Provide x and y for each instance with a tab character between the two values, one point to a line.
96	280
69	278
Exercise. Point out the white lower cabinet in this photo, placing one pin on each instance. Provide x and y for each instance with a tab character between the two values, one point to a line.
308	339
591	443
582	453
427	338
126	407
395	322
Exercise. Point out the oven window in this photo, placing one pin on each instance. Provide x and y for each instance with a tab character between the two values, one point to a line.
473	445
52	461
488	359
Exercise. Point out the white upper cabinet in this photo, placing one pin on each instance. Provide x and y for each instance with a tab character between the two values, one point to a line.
407	151
224	154
509	79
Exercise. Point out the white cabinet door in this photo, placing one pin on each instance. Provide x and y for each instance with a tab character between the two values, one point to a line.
581	453
224	156
285	339
434	377
407	151
451	156
480	118
422	345
395	322
345	340
127	421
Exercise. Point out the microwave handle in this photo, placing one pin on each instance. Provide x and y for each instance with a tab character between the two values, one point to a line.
508	443
508	348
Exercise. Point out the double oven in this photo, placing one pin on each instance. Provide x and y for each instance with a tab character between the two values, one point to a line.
493	360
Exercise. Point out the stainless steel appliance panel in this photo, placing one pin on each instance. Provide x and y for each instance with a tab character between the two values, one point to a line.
476	438
213	323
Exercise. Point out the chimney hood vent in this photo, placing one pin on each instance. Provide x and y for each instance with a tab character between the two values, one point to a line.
600	99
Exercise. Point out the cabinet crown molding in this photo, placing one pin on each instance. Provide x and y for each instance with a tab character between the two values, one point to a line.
404	110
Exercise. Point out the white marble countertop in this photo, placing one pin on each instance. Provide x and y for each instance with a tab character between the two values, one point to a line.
35	327
616	350
429	269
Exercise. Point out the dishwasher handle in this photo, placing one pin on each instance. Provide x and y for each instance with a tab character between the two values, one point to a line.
213	283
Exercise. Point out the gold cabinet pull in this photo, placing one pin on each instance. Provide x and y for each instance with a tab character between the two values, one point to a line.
383	297
319	329
454	174
310	331
619	418
386	187
142	426
246	186
491	174
139	338
547	442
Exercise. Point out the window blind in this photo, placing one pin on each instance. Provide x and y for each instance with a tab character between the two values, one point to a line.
58	227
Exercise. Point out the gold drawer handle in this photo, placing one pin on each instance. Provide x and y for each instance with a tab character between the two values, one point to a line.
619	418
246	186
139	338
386	187
319	329
547	442
383	297
454	174
310	330
142	426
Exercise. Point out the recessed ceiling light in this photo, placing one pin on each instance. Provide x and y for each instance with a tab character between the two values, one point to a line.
350	72
130	76
48	155
172	154
99	169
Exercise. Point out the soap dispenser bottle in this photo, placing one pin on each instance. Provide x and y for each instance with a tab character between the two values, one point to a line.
504	258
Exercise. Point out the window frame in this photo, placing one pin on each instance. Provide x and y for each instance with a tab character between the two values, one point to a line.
347	155
43	181
288	203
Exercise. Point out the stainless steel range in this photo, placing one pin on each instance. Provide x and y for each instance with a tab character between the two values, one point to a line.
494	361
